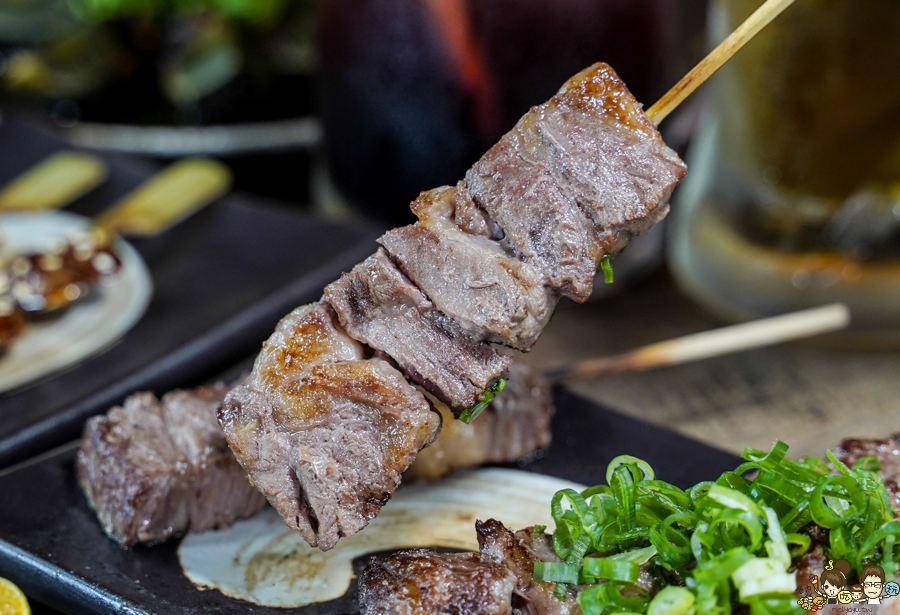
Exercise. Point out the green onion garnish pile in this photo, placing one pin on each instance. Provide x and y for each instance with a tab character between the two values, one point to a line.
728	542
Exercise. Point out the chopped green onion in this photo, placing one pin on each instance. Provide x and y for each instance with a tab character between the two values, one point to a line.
557	572
838	487
606	266
672	600
730	540
608	598
867	463
628	460
762	575
471	413
776	546
594	568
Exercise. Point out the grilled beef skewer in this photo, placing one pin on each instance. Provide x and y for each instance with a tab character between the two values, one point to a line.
155	468
324	430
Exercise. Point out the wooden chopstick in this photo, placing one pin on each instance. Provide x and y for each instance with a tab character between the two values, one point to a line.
717	342
716	58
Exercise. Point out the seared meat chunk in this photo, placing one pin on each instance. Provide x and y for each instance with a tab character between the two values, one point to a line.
323	431
471	277
153	468
421	582
379	306
576	178
516	424
886	450
538	216
518	552
596	139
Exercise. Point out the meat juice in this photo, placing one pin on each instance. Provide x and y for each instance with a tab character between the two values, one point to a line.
796	193
414	92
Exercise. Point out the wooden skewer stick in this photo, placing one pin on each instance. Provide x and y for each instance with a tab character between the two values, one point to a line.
727	340
717	57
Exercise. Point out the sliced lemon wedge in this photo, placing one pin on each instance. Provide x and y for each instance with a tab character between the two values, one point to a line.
12	600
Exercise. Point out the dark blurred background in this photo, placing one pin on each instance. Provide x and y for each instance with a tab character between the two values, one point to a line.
407	93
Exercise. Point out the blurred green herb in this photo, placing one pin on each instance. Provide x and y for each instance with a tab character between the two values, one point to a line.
256	11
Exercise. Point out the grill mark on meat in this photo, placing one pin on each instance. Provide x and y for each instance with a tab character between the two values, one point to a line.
377	305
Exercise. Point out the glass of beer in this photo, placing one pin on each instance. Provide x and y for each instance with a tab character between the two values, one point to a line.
794	199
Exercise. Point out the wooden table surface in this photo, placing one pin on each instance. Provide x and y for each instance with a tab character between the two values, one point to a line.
807	395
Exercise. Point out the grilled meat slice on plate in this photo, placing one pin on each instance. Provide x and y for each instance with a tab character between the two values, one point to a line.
154	468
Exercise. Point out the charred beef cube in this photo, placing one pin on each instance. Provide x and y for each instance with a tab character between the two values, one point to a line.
519	551
468	275
323	431
596	139
539	217
516	424
154	468
576	178
379	306
422	582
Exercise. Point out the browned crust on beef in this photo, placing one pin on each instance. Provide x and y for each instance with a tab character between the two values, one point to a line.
421	582
324	432
576	178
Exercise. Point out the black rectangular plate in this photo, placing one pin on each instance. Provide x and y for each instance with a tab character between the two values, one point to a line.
222	280
52	546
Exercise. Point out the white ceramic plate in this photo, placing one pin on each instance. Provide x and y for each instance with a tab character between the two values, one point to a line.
263	561
86	328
